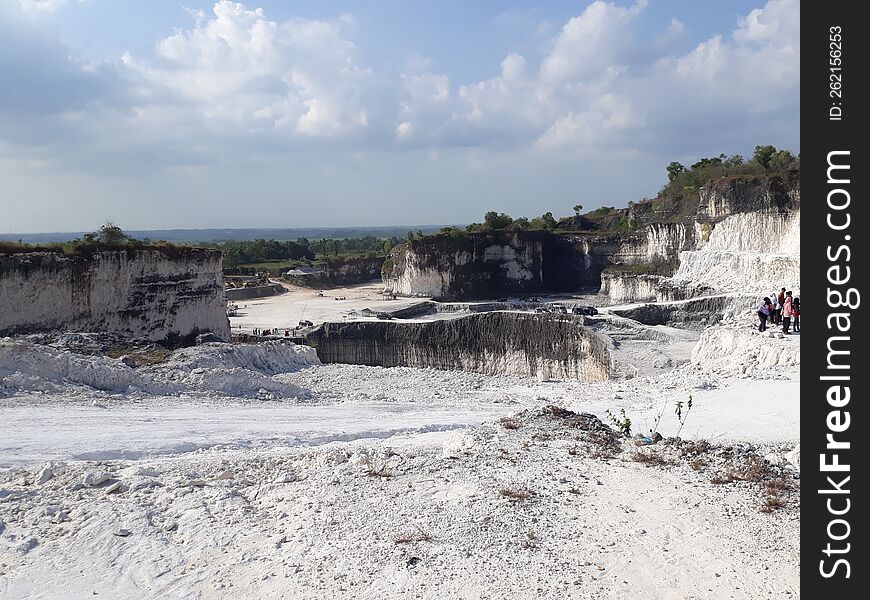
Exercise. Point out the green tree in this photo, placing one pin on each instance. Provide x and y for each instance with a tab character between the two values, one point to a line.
410	236
782	160
734	161
549	220
112	235
494	220
388	245
577	209
763	155
708	162
674	170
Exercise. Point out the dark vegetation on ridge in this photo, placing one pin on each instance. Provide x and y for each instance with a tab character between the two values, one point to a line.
109	238
678	198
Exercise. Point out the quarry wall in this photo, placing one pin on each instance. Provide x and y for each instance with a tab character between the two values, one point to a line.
735	235
167	296
473	266
544	346
256	291
346	272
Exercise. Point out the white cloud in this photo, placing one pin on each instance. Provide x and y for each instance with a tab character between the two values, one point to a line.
591	42
606	115
38	7
241	69
237	83
594	88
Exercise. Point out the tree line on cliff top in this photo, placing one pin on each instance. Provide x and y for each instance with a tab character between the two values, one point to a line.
766	162
109	237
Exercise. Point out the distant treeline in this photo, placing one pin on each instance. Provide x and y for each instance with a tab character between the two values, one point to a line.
302	250
109	237
209	236
766	162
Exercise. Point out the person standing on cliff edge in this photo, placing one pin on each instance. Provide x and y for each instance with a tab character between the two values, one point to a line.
780	299
763	313
786	312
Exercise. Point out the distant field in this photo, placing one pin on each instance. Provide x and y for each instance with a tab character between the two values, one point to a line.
268	266
227	235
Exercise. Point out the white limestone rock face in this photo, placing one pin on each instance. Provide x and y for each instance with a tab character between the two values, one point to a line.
496	343
664	241
146	293
747	253
630	287
744	352
442	267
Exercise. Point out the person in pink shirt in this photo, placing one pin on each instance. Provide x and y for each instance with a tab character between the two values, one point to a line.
787	312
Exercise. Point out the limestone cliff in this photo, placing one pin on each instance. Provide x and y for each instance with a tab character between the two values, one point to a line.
544	346
738	234
167	296
348	271
448	267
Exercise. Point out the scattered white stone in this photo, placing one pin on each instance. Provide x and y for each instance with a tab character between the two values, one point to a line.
27	545
122	532
775	458
287	477
338	457
198	482
45	474
794	457
146	472
226	474
116	487
93	477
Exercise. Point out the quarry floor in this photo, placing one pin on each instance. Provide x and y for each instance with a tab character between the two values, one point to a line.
401	483
286	310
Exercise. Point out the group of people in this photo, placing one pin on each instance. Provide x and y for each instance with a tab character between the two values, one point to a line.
780	309
269	332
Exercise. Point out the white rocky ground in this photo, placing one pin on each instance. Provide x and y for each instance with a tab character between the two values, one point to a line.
255	472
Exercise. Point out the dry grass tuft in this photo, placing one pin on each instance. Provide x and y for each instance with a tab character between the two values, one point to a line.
695	448
516	495
755	470
772	502
531	541
777	486
411	538
558	411
649	459
698	464
509	423
379	471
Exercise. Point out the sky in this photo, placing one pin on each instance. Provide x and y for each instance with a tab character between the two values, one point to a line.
194	114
